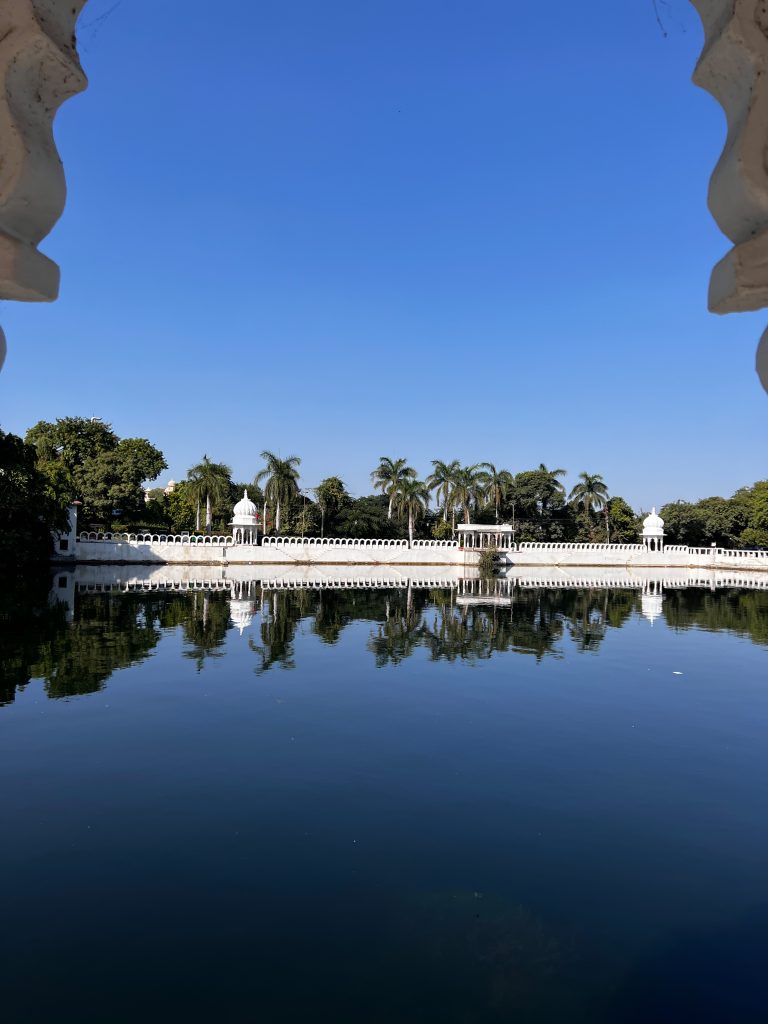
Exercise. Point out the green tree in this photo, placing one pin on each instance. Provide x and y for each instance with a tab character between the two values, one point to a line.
29	510
282	481
208	482
623	525
366	517
467	490
723	520
682	523
442	530
412	501
590	493
441	481
551	488
180	508
84	459
389	476
755	502
332	498
496	483
111	482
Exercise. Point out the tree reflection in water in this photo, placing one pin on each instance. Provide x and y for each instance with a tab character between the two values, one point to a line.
109	631
205	626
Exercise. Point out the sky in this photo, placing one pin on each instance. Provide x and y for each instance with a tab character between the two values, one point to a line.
435	229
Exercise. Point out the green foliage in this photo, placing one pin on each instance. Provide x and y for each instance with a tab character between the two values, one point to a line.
468	489
624	525
282	482
441	481
389	477
754	537
332	500
208	483
738	521
29	508
85	460
488	563
682	523
367	517
496	483
179	509
412	500
590	494
441	530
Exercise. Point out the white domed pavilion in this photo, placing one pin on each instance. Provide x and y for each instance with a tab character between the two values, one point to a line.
245	521
653	532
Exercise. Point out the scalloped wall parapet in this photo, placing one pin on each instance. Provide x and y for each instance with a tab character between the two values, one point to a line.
40	70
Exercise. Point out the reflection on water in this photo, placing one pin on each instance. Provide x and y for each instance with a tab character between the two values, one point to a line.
77	635
535	799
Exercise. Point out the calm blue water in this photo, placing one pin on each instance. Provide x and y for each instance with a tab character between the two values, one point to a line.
385	806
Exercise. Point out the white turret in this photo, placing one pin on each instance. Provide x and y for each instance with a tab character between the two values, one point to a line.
653	532
245	520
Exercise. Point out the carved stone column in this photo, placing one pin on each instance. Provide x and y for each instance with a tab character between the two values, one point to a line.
40	69
733	67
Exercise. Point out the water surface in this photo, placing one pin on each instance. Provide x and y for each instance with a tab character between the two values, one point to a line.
396	804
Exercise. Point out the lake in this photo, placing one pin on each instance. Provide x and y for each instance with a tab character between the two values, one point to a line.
330	797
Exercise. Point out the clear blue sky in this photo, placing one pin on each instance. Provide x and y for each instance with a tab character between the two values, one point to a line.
428	228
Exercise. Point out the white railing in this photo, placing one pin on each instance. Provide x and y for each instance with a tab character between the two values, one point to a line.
435	544
572	546
151	538
341	542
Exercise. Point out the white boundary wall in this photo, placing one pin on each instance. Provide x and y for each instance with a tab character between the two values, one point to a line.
219	550
172	550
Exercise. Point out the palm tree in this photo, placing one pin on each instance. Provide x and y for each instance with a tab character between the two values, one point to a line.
209	482
467	488
591	492
282	476
440	480
552	486
496	482
388	477
412	499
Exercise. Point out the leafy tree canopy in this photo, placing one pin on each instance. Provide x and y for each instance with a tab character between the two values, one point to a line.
29	508
84	459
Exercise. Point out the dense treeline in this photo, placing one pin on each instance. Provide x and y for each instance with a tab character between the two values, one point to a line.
84	460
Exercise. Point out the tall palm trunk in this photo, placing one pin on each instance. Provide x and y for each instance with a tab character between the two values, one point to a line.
197	517
391	503
410	527
277	517
208	512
